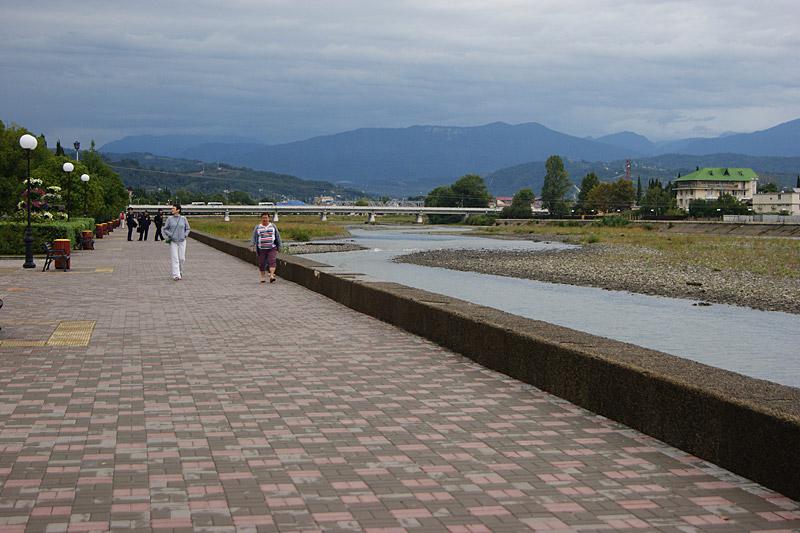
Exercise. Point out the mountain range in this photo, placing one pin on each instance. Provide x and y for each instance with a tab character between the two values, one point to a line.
413	160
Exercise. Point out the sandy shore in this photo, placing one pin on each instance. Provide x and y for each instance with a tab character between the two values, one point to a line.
625	268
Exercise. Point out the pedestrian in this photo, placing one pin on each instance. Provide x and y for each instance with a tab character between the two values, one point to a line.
158	220
140	224
176	230
144	225
131	222
266	241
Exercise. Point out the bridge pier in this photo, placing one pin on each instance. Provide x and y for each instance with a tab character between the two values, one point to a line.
465	217
275	217
227	216
371	219
419	219
324	217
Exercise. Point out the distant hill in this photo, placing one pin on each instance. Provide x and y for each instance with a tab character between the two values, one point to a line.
409	161
782	140
633	142
377	157
169	145
149	171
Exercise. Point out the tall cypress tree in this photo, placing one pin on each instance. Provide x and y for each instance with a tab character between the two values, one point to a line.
59	149
638	190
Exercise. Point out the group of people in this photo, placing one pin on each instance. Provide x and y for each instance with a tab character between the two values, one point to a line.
265	240
141	223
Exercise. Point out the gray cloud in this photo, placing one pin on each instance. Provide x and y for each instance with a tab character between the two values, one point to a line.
281	70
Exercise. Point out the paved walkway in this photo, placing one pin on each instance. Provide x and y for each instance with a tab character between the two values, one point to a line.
220	404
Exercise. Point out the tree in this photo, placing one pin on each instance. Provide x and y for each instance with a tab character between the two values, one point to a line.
768	187
362	202
622	195
724	205
467	191
798	181
240	198
520	205
59	148
600	198
657	200
587	184
638	190
470	191
556	185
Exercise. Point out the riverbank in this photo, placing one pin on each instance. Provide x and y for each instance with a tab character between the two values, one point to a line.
626	268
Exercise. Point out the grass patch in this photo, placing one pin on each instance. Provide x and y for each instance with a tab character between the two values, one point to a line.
292	228
774	257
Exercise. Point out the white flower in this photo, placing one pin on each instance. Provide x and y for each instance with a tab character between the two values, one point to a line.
36	181
47	214
54	188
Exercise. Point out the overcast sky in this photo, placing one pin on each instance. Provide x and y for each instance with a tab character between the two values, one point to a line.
276	71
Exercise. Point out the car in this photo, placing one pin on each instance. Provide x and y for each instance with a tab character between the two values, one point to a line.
267	204
216	204
198	203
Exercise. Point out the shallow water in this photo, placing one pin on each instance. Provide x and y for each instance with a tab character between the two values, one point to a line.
761	344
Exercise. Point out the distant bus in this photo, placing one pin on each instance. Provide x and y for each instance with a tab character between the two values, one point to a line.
216	204
198	203
267	204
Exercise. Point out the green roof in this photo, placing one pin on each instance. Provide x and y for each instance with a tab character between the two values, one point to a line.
720	174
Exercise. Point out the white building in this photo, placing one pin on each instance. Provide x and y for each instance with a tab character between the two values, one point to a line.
711	183
776	203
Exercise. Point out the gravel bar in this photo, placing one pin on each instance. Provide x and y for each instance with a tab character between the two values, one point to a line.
624	268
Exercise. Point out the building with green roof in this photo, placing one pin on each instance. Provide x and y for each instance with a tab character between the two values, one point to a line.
711	183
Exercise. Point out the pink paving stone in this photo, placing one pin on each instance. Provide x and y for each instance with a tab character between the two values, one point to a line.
142	507
342	485
637	504
170	523
488	510
52	511
13	483
285	502
353	499
385	530
208	504
89	526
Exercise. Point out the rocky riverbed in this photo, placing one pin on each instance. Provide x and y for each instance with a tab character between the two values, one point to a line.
625	268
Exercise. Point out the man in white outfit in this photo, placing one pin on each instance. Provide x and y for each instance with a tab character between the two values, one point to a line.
175	232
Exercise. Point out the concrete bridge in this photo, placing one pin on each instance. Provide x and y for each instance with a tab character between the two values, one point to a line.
322	210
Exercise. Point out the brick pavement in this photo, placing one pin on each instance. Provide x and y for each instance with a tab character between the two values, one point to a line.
220	404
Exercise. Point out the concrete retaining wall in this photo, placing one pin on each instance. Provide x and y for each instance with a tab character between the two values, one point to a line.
749	426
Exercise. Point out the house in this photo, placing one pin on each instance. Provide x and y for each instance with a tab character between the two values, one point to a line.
711	183
502	201
786	202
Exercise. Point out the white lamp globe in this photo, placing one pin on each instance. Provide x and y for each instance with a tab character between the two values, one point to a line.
85	178
68	167
28	142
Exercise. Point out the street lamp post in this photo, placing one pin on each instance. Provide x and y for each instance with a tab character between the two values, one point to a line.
68	168
85	180
28	143
77	147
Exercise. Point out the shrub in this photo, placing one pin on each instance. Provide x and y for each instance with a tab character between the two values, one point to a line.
591	239
298	234
12	234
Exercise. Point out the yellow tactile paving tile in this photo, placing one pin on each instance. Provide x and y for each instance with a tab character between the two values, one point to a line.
72	333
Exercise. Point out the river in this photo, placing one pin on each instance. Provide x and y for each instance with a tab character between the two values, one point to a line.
760	344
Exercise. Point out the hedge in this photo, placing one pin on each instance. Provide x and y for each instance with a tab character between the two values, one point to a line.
12	234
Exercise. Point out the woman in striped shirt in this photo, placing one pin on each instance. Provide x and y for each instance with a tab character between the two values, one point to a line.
266	241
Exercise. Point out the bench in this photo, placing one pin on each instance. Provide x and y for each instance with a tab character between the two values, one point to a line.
52	253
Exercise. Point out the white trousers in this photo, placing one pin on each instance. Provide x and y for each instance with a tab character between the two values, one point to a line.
177	253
